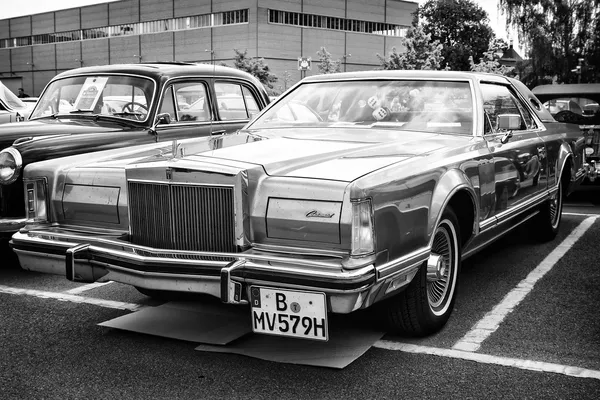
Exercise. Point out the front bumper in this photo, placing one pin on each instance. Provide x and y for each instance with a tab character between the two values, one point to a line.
8	226
84	258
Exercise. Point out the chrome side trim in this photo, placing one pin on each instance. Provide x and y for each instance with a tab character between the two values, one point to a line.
524	206
487	224
402	264
474	250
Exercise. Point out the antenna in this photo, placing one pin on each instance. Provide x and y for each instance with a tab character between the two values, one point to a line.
214	106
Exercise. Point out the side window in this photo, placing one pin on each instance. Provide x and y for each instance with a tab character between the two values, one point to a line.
168	106
251	104
186	102
234	101
498	100
191	102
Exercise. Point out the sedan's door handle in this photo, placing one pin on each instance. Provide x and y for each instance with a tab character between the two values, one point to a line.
221	132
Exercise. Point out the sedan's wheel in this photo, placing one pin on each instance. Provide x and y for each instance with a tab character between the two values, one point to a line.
426	304
548	220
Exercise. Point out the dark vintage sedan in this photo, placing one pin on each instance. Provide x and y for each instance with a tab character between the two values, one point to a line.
577	103
105	107
350	191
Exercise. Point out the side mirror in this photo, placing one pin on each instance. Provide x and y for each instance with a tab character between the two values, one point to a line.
509	122
163	118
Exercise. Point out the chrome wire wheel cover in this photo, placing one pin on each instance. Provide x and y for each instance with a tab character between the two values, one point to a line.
556	207
441	291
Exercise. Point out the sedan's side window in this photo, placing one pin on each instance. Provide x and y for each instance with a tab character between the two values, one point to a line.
186	102
235	101
499	100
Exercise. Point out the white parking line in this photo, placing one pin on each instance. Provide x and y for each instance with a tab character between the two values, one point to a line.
382	344
489	359
85	288
580	214
72	298
492	320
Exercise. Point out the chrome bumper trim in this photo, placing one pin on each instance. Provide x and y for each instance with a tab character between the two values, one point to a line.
11	225
83	258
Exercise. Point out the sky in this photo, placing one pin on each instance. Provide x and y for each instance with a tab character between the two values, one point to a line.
15	8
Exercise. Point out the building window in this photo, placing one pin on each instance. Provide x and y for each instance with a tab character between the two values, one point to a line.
335	23
139	28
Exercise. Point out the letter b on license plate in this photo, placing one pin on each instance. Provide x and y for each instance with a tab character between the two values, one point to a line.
289	313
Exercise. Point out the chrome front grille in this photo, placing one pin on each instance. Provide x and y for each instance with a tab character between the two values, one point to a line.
182	217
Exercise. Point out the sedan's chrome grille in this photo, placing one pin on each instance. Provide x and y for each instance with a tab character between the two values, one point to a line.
182	217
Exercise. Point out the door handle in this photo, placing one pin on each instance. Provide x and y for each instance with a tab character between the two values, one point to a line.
221	132
506	137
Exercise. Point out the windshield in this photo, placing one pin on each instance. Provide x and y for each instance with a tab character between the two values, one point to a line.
9	98
417	105
120	96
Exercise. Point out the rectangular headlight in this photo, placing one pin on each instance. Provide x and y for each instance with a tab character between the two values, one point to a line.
36	200
363	242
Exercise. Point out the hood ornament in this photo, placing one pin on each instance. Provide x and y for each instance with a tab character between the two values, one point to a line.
177	149
318	214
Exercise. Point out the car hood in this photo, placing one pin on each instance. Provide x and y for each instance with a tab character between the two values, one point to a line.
44	127
343	155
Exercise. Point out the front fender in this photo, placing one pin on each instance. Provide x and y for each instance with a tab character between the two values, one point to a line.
450	184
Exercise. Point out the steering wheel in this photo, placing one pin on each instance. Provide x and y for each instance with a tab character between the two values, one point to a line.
133	107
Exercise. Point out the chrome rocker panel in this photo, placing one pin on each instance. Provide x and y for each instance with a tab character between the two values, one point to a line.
224	275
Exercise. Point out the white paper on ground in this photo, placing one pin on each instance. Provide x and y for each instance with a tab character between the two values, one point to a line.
344	346
189	321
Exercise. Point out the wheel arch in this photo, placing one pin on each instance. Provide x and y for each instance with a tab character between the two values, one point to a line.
455	189
565	163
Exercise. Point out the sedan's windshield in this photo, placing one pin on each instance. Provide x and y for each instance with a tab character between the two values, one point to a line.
120	96
9	98
421	105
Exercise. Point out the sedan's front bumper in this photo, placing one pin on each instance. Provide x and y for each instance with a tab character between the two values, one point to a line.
8	226
225	275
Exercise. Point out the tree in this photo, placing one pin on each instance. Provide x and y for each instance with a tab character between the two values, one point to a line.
490	63
326	64
461	26
558	33
256	67
421	52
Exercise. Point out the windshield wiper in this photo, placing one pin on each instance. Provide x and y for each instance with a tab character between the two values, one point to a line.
81	111
127	113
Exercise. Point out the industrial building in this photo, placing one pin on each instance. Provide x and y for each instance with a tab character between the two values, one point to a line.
34	48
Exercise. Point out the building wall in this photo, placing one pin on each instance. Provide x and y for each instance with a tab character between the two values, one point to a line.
280	45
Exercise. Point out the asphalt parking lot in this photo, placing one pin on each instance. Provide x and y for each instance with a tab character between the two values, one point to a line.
525	325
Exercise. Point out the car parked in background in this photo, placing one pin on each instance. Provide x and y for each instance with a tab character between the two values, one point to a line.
586	114
352	190
105	107
12	109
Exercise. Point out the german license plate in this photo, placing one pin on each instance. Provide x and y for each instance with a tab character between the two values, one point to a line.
289	313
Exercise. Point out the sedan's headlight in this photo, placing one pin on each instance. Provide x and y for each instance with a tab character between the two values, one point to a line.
10	165
363	242
36	200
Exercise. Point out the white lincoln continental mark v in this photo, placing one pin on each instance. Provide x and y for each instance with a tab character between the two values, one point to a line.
350	191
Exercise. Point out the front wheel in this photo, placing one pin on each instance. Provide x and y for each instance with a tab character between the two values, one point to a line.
425	305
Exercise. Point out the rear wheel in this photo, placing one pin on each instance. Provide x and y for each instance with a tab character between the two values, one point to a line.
548	220
425	305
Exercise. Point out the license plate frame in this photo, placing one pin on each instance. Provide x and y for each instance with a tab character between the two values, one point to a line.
305	311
